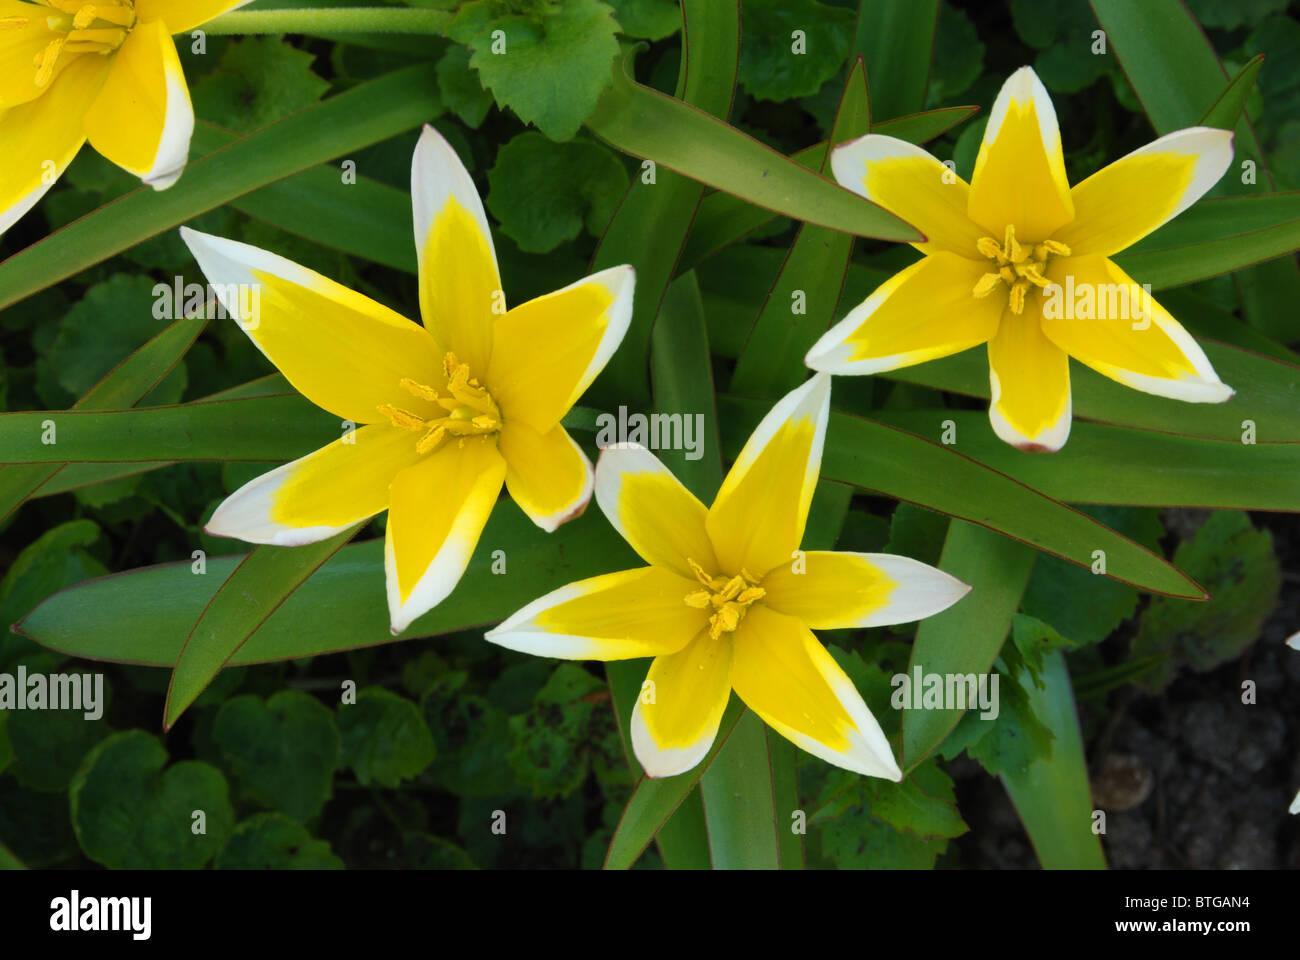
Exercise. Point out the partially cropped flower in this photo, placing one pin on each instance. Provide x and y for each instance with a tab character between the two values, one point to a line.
449	410
104	71
1021	261
729	601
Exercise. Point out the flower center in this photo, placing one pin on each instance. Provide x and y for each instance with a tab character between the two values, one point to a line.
470	411
727	598
98	27
1017	265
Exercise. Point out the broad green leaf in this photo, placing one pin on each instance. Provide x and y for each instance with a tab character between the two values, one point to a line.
967	636
550	70
1117	465
254	590
803	300
1239	568
544	192
54	560
272	841
661	203
1053	797
130	813
958	55
553	740
283	751
384	738
791	47
259	80
649	19
1266	396
725	219
143	616
361	116
462	93
645	123
896	37
48	745
877	457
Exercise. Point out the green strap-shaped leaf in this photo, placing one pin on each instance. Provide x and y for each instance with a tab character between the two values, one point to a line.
1227	110
725	219
1266	395
123	386
738	800
645	123
898	464
802	302
967	636
361	116
1053	796
143	616
253	591
897	39
1120	465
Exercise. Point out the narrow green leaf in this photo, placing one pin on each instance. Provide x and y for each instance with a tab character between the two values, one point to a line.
143	616
725	219
802	302
878	457
662	203
361	116
255	589
967	636
1232	102
738	802
1053	797
1267	391
644	123
1123	466
124	386
897	39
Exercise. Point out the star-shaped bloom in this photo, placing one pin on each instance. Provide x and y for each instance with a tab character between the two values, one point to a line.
448	411
1021	261
729	601
104	71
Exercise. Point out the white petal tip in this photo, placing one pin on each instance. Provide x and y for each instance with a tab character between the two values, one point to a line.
1293	641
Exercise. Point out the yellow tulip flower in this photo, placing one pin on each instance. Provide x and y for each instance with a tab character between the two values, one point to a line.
448	411
729	601
104	71
1021	261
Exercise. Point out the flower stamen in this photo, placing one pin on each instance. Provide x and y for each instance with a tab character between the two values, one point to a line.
1017	265
86	28
728	598
470	410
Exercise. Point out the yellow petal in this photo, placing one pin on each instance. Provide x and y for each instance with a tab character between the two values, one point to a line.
459	284
1020	171
617	616
339	349
925	311
785	675
320	494
548	475
757	520
436	513
142	119
836	591
676	717
656	515
182	16
1114	338
1120	204
909	182
22	41
40	138
1029	377
546	352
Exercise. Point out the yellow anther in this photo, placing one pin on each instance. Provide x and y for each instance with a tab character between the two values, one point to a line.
401	418
431	440
13	23
1057	248
45	61
1011	249
1017	299
84	17
110	38
987	284
988	247
699	599
418	389
728	597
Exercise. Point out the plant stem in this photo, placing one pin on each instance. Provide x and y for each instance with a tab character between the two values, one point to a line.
330	20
